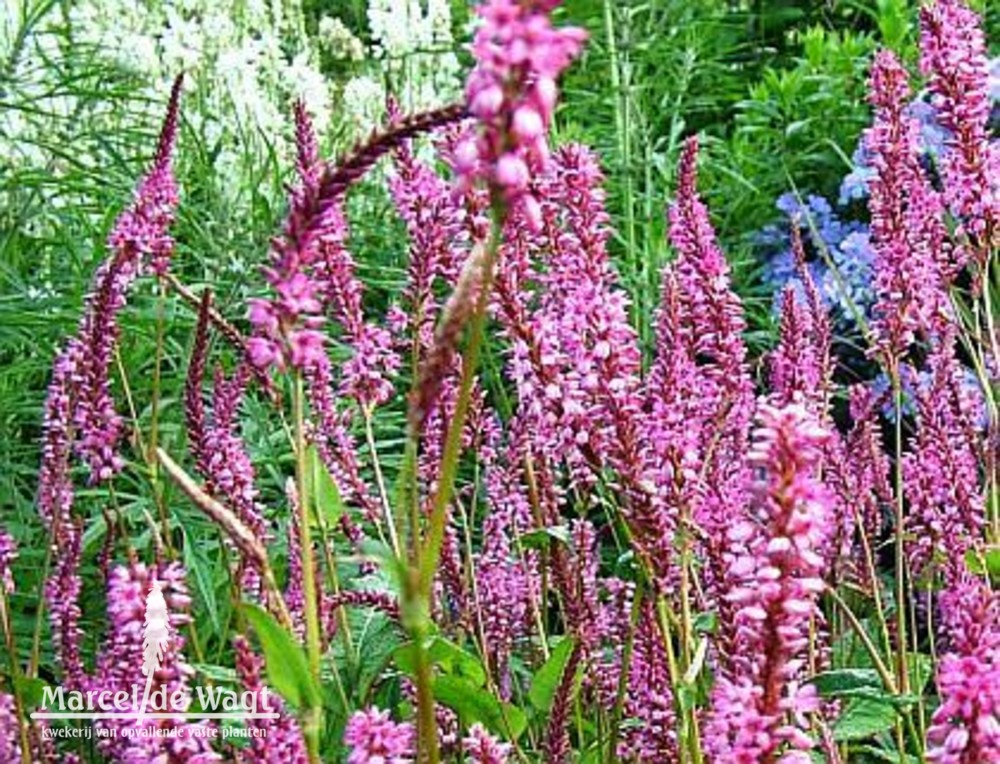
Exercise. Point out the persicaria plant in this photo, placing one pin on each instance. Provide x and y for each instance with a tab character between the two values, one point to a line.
490	525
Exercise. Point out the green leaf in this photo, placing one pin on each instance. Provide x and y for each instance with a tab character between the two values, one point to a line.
985	563
706	623
546	680
31	691
542	537
920	667
889	755
376	638
474	704
287	668
196	562
832	684
323	488
862	718
451	658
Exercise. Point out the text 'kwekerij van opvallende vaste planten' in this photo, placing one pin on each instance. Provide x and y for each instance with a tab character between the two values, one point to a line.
511	510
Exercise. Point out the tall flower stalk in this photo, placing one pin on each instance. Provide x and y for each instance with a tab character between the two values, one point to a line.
512	95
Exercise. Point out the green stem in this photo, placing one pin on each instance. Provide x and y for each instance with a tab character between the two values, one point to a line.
154	424
901	628
380	482
623	674
431	552
424	561
15	676
311	721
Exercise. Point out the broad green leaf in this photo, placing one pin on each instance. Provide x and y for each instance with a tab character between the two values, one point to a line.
862	718
832	684
375	638
546	680
287	668
986	563
889	755
31	691
447	655
541	537
474	704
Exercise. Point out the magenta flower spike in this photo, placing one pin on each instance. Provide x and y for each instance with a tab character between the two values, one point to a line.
512	93
947	506
759	703
374	738
8	554
953	56
482	748
62	595
907	230
140	241
965	728
279	740
128	587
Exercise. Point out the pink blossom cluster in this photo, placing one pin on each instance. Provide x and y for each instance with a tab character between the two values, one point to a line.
8	553
965	728
128	587
287	326
912	261
139	240
279	740
62	594
216	443
699	394
374	738
483	748
512	93
953	56
593	442
10	730
775	574
941	473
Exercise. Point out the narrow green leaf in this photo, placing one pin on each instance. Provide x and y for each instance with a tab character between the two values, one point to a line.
541	537
287	667
920	667
323	488
546	680
832	684
198	565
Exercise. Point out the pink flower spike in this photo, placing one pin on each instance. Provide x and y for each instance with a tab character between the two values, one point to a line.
374	738
512	91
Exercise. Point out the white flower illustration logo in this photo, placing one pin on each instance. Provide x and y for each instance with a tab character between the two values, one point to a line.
155	638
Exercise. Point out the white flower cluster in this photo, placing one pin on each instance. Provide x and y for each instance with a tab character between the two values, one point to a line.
243	62
413	41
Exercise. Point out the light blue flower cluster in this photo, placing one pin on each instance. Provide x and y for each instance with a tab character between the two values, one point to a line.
836	239
839	255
